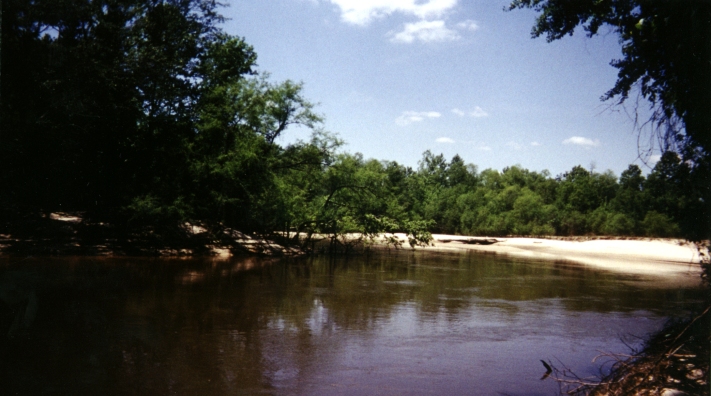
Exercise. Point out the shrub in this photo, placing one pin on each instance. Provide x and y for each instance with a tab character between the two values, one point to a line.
619	224
657	224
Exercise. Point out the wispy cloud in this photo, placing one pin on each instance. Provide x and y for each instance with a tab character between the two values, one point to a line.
478	145
478	112
514	145
582	141
468	25
362	12
444	140
408	117
535	144
425	31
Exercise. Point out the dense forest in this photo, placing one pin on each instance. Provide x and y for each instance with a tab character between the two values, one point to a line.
146	115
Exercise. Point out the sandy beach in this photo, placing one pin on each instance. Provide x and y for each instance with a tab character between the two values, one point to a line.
670	257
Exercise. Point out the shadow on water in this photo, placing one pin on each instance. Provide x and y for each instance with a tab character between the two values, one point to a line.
399	322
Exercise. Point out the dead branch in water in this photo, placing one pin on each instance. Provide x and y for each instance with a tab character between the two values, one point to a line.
675	361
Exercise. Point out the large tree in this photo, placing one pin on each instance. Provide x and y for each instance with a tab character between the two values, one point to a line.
98	97
145	112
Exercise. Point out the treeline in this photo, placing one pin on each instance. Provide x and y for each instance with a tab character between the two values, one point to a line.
146	115
516	201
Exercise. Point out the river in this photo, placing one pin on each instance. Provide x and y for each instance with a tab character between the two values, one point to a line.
387	323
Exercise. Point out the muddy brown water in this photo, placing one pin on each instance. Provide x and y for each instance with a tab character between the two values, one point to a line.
389	323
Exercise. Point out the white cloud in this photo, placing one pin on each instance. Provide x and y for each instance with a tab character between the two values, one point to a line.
478	112
468	25
535	144
444	140
425	31
582	141
408	117
361	12
430	14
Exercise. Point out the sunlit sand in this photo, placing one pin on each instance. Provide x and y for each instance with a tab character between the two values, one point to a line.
643	256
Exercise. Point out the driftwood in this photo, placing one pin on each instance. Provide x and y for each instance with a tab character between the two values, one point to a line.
471	241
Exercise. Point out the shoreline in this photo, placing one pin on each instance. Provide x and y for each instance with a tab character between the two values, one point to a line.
64	234
648	256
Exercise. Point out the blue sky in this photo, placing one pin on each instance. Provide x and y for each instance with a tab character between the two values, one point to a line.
394	78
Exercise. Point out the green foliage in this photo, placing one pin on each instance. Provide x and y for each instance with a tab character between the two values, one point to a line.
102	111
146	112
149	211
543	230
579	202
659	225
631	198
677	190
417	232
619	224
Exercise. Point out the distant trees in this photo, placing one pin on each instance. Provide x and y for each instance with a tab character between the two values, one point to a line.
516	201
453	197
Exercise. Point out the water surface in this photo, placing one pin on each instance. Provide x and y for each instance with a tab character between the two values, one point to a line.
388	323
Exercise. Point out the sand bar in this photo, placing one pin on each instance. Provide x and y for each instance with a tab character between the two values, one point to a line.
666	257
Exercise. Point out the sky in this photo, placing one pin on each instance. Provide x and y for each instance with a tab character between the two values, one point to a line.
394	78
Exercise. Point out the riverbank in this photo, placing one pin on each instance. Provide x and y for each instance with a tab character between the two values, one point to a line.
70	234
653	256
656	256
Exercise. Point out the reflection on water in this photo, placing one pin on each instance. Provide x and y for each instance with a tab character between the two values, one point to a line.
390	323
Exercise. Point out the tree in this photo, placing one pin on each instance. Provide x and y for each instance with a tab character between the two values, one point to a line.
355	196
145	113
99	99
237	169
671	190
